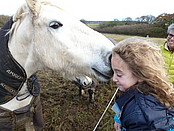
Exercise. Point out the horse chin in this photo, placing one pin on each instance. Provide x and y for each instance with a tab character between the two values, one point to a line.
103	76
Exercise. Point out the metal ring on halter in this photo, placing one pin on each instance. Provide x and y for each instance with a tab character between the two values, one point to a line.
20	95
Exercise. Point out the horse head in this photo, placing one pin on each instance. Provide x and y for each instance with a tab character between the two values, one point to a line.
46	36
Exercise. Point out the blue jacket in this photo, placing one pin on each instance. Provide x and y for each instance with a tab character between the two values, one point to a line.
139	112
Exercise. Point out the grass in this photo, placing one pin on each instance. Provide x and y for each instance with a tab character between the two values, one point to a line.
118	38
63	111
93	25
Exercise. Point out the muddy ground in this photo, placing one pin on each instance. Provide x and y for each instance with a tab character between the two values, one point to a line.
64	111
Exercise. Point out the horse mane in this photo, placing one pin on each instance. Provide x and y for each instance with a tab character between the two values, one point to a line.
49	3
22	11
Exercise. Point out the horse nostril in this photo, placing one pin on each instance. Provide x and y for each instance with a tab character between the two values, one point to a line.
84	84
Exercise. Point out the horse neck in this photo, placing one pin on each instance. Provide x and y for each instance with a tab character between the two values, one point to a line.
22	52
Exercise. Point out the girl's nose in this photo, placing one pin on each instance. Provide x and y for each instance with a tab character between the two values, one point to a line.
114	78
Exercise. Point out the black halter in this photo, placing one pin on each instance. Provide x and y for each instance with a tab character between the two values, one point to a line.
12	74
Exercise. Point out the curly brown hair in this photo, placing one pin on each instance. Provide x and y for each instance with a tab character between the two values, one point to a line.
146	62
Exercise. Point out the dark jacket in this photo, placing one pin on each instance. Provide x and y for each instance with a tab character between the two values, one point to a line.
141	112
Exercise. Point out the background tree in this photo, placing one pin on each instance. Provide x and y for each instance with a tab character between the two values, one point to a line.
116	19
164	20
145	19
127	19
149	19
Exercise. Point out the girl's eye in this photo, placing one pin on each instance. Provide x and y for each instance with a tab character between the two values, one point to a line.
119	75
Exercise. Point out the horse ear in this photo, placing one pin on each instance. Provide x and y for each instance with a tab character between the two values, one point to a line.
34	6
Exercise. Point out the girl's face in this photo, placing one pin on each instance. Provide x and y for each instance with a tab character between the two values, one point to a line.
122	73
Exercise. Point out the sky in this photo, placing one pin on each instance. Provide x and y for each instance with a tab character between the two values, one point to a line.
102	10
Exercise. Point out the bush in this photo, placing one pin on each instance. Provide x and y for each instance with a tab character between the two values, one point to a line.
136	29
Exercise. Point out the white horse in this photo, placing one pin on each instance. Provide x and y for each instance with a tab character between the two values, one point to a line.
45	36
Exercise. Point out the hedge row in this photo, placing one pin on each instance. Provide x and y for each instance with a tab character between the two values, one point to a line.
137	29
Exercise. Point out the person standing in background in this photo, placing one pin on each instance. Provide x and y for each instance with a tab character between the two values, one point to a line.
168	52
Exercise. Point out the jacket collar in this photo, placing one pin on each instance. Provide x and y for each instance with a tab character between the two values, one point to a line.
165	46
126	97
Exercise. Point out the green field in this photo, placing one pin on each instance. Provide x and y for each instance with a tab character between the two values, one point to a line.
93	25
122	37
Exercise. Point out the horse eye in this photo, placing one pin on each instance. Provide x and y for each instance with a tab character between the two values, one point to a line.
55	24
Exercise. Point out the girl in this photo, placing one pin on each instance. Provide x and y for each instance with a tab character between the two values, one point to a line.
147	98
